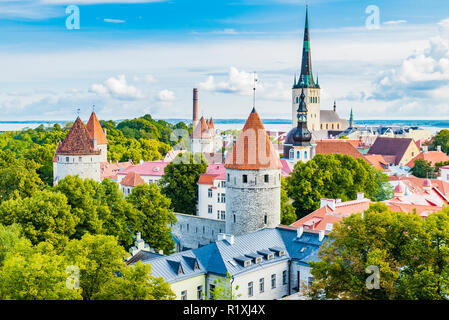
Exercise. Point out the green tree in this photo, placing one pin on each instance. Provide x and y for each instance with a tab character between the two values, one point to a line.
223	289
441	139
135	283
11	238
98	258
19	179
332	176
179	182
45	216
423	169
385	190
154	216
410	253
288	215
36	273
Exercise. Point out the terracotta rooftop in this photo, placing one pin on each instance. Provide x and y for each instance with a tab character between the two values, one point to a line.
132	179
95	130
415	185
377	161
111	169
330	214
214	171
253	149
391	147
338	146
432	156
148	168
78	141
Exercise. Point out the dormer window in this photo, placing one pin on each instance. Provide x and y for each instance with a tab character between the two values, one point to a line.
259	260
281	253
270	256
247	263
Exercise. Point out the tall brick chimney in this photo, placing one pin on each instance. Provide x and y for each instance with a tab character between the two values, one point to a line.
195	107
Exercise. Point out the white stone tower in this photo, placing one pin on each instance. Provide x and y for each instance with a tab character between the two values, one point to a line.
306	82
78	155
253	181
98	134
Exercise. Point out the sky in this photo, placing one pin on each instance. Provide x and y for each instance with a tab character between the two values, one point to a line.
133	57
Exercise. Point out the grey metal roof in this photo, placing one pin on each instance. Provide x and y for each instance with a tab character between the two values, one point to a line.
222	257
219	257
168	266
329	116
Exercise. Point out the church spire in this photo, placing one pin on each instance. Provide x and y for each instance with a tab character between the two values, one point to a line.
351	120
306	66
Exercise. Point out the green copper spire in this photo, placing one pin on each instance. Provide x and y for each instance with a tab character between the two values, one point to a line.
306	65
294	81
351	119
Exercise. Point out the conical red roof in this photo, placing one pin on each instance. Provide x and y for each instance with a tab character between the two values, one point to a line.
78	141
253	149
95	130
132	179
201	130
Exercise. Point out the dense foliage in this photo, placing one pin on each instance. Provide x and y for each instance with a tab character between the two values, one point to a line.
179	182
334	176
441	139
423	169
411	254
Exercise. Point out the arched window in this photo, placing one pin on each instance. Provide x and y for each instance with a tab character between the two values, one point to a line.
298	154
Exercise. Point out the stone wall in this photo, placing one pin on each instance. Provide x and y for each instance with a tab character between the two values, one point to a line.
247	204
86	166
195	231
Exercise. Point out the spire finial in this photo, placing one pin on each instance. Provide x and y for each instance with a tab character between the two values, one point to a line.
254	91
93	108
78	112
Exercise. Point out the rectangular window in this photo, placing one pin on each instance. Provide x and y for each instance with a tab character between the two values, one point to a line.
218	214
199	291
223	216
211	289
80	159
310	281
218	197
184	295
229	178
273	281
284	277
245	178
209	208
223	198
67	159
250	289
209	193
223	184
267	177
261	285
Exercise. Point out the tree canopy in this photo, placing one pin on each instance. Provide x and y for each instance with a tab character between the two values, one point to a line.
410	254
334	176
179	182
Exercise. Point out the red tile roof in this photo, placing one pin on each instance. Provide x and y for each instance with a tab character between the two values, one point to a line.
78	141
148	168
213	172
110	169
376	160
415	184
318	219
338	146
95	130
432	156
391	147
132	179
253	149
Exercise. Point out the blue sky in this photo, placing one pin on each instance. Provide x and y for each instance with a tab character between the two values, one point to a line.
131	57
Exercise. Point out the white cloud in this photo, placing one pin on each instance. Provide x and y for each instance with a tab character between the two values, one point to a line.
114	20
118	88
242	83
166	95
146	78
395	22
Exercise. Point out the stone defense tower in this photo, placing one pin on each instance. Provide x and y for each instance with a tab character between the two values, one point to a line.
98	134
306	82
253	181
78	155
203	136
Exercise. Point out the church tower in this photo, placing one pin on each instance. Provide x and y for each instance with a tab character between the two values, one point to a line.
253	181
297	146
307	82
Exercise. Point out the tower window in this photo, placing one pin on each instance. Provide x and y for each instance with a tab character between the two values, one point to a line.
245	178
209	208
234	218
209	193
265	219
267	177
229	177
